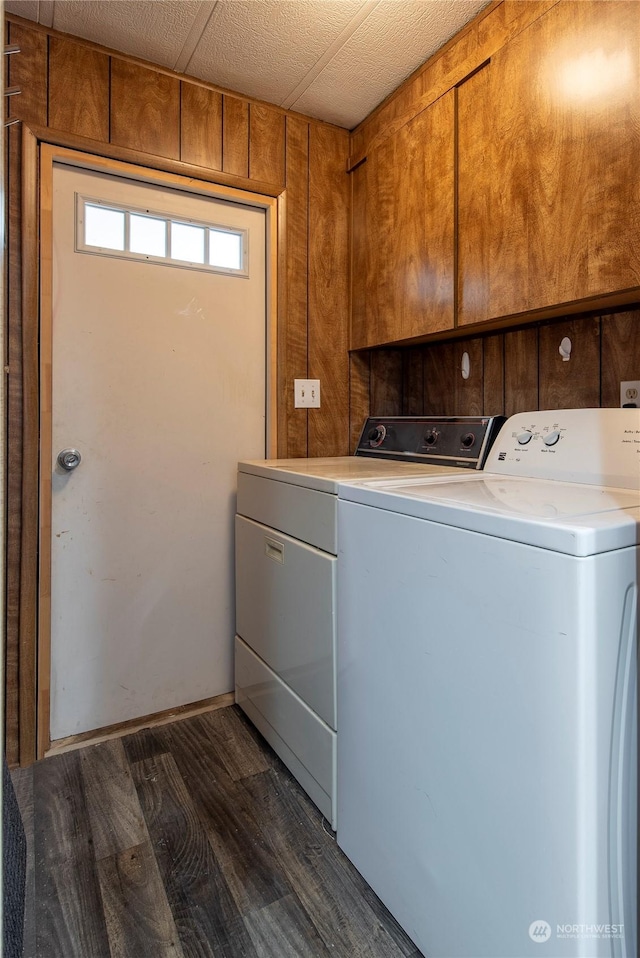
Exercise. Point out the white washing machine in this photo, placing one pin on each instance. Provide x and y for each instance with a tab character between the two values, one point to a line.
286	546
487	703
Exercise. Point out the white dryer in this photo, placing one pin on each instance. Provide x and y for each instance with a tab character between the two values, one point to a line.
286	546
487	693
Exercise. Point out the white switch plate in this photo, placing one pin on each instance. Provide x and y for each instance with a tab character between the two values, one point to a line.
630	392
306	393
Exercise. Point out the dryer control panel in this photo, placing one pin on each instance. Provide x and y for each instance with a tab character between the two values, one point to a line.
595	446
447	441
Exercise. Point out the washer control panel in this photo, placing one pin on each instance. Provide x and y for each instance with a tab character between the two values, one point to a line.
450	441
600	446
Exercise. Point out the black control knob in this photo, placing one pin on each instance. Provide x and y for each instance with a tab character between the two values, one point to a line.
468	440
377	436
432	437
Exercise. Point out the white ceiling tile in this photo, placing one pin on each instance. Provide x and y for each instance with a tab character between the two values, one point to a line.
22	8
328	55
154	30
391	43
45	12
264	48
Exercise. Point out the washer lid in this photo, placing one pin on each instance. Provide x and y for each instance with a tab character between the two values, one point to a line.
324	474
565	517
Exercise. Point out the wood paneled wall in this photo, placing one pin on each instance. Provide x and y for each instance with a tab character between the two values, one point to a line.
117	103
510	372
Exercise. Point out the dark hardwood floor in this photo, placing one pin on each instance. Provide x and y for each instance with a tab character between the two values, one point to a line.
190	840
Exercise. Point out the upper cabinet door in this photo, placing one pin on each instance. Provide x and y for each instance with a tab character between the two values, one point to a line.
403	232
548	176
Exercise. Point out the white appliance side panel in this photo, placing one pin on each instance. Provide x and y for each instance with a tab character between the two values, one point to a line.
476	689
304	743
285	611
302	513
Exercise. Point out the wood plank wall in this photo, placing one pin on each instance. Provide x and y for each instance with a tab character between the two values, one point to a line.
496	25
510	372
79	89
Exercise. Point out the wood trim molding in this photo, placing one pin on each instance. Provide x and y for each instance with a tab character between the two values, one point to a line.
35	642
354	163
30	447
274	317
103	155
145	721
280	384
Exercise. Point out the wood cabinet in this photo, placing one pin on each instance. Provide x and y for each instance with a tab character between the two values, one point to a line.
520	187
548	181
403	232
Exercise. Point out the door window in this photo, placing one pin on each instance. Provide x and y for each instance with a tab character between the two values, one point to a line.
154	237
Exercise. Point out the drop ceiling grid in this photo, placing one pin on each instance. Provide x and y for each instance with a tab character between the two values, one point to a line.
264	48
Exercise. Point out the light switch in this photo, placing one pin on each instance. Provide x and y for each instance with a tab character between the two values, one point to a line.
306	393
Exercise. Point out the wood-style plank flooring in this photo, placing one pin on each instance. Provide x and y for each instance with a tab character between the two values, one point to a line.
190	840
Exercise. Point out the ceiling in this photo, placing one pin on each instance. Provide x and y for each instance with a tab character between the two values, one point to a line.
331	59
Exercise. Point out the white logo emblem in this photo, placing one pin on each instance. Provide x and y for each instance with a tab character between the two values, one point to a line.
539	931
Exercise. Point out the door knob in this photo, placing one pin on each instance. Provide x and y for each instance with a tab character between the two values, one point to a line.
69	459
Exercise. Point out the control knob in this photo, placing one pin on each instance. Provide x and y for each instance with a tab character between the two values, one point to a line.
468	440
377	436
432	437
551	438
525	437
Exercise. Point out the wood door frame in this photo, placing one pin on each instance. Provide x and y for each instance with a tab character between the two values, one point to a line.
40	150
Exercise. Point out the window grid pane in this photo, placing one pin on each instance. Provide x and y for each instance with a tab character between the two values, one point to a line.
145	234
187	243
225	249
104	228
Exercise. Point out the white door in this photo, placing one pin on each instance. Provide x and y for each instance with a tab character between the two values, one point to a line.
159	382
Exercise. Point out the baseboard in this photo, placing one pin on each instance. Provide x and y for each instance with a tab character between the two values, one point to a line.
135	725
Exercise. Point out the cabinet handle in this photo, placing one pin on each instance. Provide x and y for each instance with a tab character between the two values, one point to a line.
274	550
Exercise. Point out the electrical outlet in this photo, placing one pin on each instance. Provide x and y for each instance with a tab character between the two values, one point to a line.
306	393
630	393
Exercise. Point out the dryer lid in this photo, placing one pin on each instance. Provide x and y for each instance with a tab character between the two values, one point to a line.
324	474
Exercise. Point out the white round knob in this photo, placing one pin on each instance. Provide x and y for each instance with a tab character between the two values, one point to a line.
525	437
551	438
